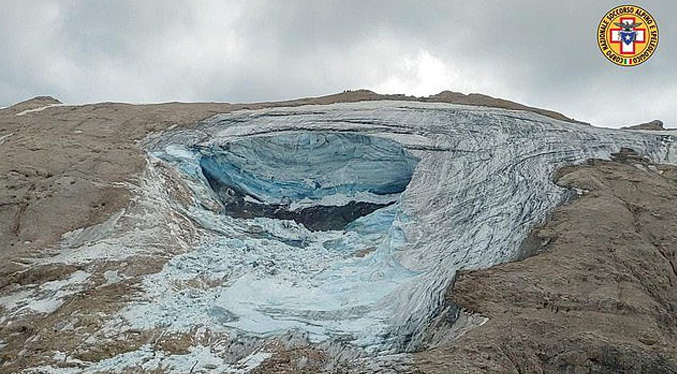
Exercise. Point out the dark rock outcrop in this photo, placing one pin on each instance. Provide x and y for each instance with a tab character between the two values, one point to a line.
655	125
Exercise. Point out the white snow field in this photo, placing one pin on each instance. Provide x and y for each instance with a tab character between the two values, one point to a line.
338	225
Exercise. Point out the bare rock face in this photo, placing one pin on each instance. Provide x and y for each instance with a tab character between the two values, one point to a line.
65	167
600	297
655	125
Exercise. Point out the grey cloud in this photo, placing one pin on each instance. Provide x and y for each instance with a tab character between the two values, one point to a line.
536	52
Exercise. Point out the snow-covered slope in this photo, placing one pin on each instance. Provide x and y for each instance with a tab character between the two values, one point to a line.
340	225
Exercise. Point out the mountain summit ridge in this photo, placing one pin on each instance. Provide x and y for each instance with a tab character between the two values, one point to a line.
347	96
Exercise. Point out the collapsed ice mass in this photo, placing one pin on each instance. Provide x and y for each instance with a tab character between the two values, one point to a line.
344	224
303	224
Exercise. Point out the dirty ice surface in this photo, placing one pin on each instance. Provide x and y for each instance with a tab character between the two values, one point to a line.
459	187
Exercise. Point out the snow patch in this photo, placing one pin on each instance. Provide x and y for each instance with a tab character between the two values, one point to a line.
44	298
199	359
111	277
27	111
4	138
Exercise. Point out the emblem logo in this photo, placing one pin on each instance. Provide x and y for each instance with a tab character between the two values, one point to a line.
627	35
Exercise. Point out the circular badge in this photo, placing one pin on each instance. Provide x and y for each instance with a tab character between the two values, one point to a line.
627	35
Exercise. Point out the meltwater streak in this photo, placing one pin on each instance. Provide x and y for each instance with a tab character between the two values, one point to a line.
483	180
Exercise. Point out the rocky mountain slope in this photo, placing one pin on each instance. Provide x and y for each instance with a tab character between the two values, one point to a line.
598	295
162	238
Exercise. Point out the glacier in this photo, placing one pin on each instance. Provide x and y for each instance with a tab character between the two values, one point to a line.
341	225
449	187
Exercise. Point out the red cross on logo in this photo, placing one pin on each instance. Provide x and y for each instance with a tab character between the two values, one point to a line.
628	49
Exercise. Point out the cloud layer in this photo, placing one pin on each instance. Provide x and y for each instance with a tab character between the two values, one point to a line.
539	53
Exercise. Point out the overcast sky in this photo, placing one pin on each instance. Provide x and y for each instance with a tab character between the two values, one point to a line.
540	53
